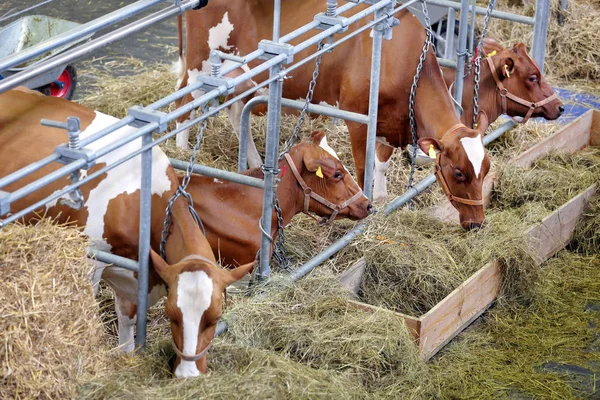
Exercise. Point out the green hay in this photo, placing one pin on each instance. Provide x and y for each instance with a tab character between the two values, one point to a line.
504	355
552	180
311	322
414	260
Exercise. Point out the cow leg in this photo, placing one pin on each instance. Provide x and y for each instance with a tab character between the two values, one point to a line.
235	114
126	318
97	268
383	154
358	140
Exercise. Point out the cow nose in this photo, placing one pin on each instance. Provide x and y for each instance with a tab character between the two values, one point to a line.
561	109
473	226
370	208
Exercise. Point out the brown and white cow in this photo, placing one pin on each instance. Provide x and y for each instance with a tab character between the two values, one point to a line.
110	216
311	164
520	77
238	25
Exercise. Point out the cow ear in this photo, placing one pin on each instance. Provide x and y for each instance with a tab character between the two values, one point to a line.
317	136
482	122
490	45
429	144
507	66
238	273
161	267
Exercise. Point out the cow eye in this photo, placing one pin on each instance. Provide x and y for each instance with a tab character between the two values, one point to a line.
459	175
337	175
533	78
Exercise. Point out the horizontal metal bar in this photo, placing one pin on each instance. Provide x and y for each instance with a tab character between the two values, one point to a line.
218	173
329	111
113	259
83	50
481	11
444	62
77	33
23	172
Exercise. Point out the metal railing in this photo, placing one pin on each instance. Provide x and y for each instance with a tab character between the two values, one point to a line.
151	119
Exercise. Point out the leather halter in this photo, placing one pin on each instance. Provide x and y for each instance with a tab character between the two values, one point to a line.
198	356
442	180
504	94
308	194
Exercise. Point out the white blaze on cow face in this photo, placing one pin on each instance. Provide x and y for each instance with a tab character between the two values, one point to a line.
124	179
194	293
219	34
475	152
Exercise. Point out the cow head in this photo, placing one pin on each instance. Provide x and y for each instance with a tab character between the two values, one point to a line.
461	166
520	75
324	175
194	306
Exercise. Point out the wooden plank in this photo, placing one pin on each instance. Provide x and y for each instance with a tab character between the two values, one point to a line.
453	314
554	232
352	277
413	324
595	129
569	139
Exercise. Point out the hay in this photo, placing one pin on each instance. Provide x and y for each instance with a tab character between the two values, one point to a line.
571	52
311	322
234	372
552	180
510	353
414	260
586	237
50	331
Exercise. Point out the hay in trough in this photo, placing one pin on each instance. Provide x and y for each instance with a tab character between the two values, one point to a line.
586	238
571	49
414	260
551	181
50	330
312	322
547	349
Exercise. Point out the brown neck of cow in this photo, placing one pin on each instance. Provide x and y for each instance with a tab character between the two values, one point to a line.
185	237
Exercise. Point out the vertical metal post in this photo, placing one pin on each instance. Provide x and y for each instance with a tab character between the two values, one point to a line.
144	244
540	32
461	53
276	19
450	33
472	30
271	150
373	106
561	14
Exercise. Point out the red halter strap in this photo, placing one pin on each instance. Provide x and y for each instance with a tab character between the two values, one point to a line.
504	94
308	194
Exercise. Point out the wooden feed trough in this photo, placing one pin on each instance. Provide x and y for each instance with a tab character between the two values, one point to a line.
437	327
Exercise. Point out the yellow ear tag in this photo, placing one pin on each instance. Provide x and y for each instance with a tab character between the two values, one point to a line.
492	54
432	151
319	172
506	70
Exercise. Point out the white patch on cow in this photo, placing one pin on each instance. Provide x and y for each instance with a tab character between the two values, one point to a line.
217	181
178	69
194	293
54	202
126	324
380	182
193	75
124	179
182	140
383	141
475	151
325	146
218	35
157	293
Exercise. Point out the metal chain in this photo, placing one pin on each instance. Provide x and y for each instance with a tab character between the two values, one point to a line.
488	15
413	91
181	190
279	254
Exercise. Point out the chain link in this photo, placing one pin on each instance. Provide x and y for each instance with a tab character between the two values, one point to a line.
413	92
181	190
486	21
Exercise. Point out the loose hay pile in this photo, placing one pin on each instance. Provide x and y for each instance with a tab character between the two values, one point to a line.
414	260
50	330
311	322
